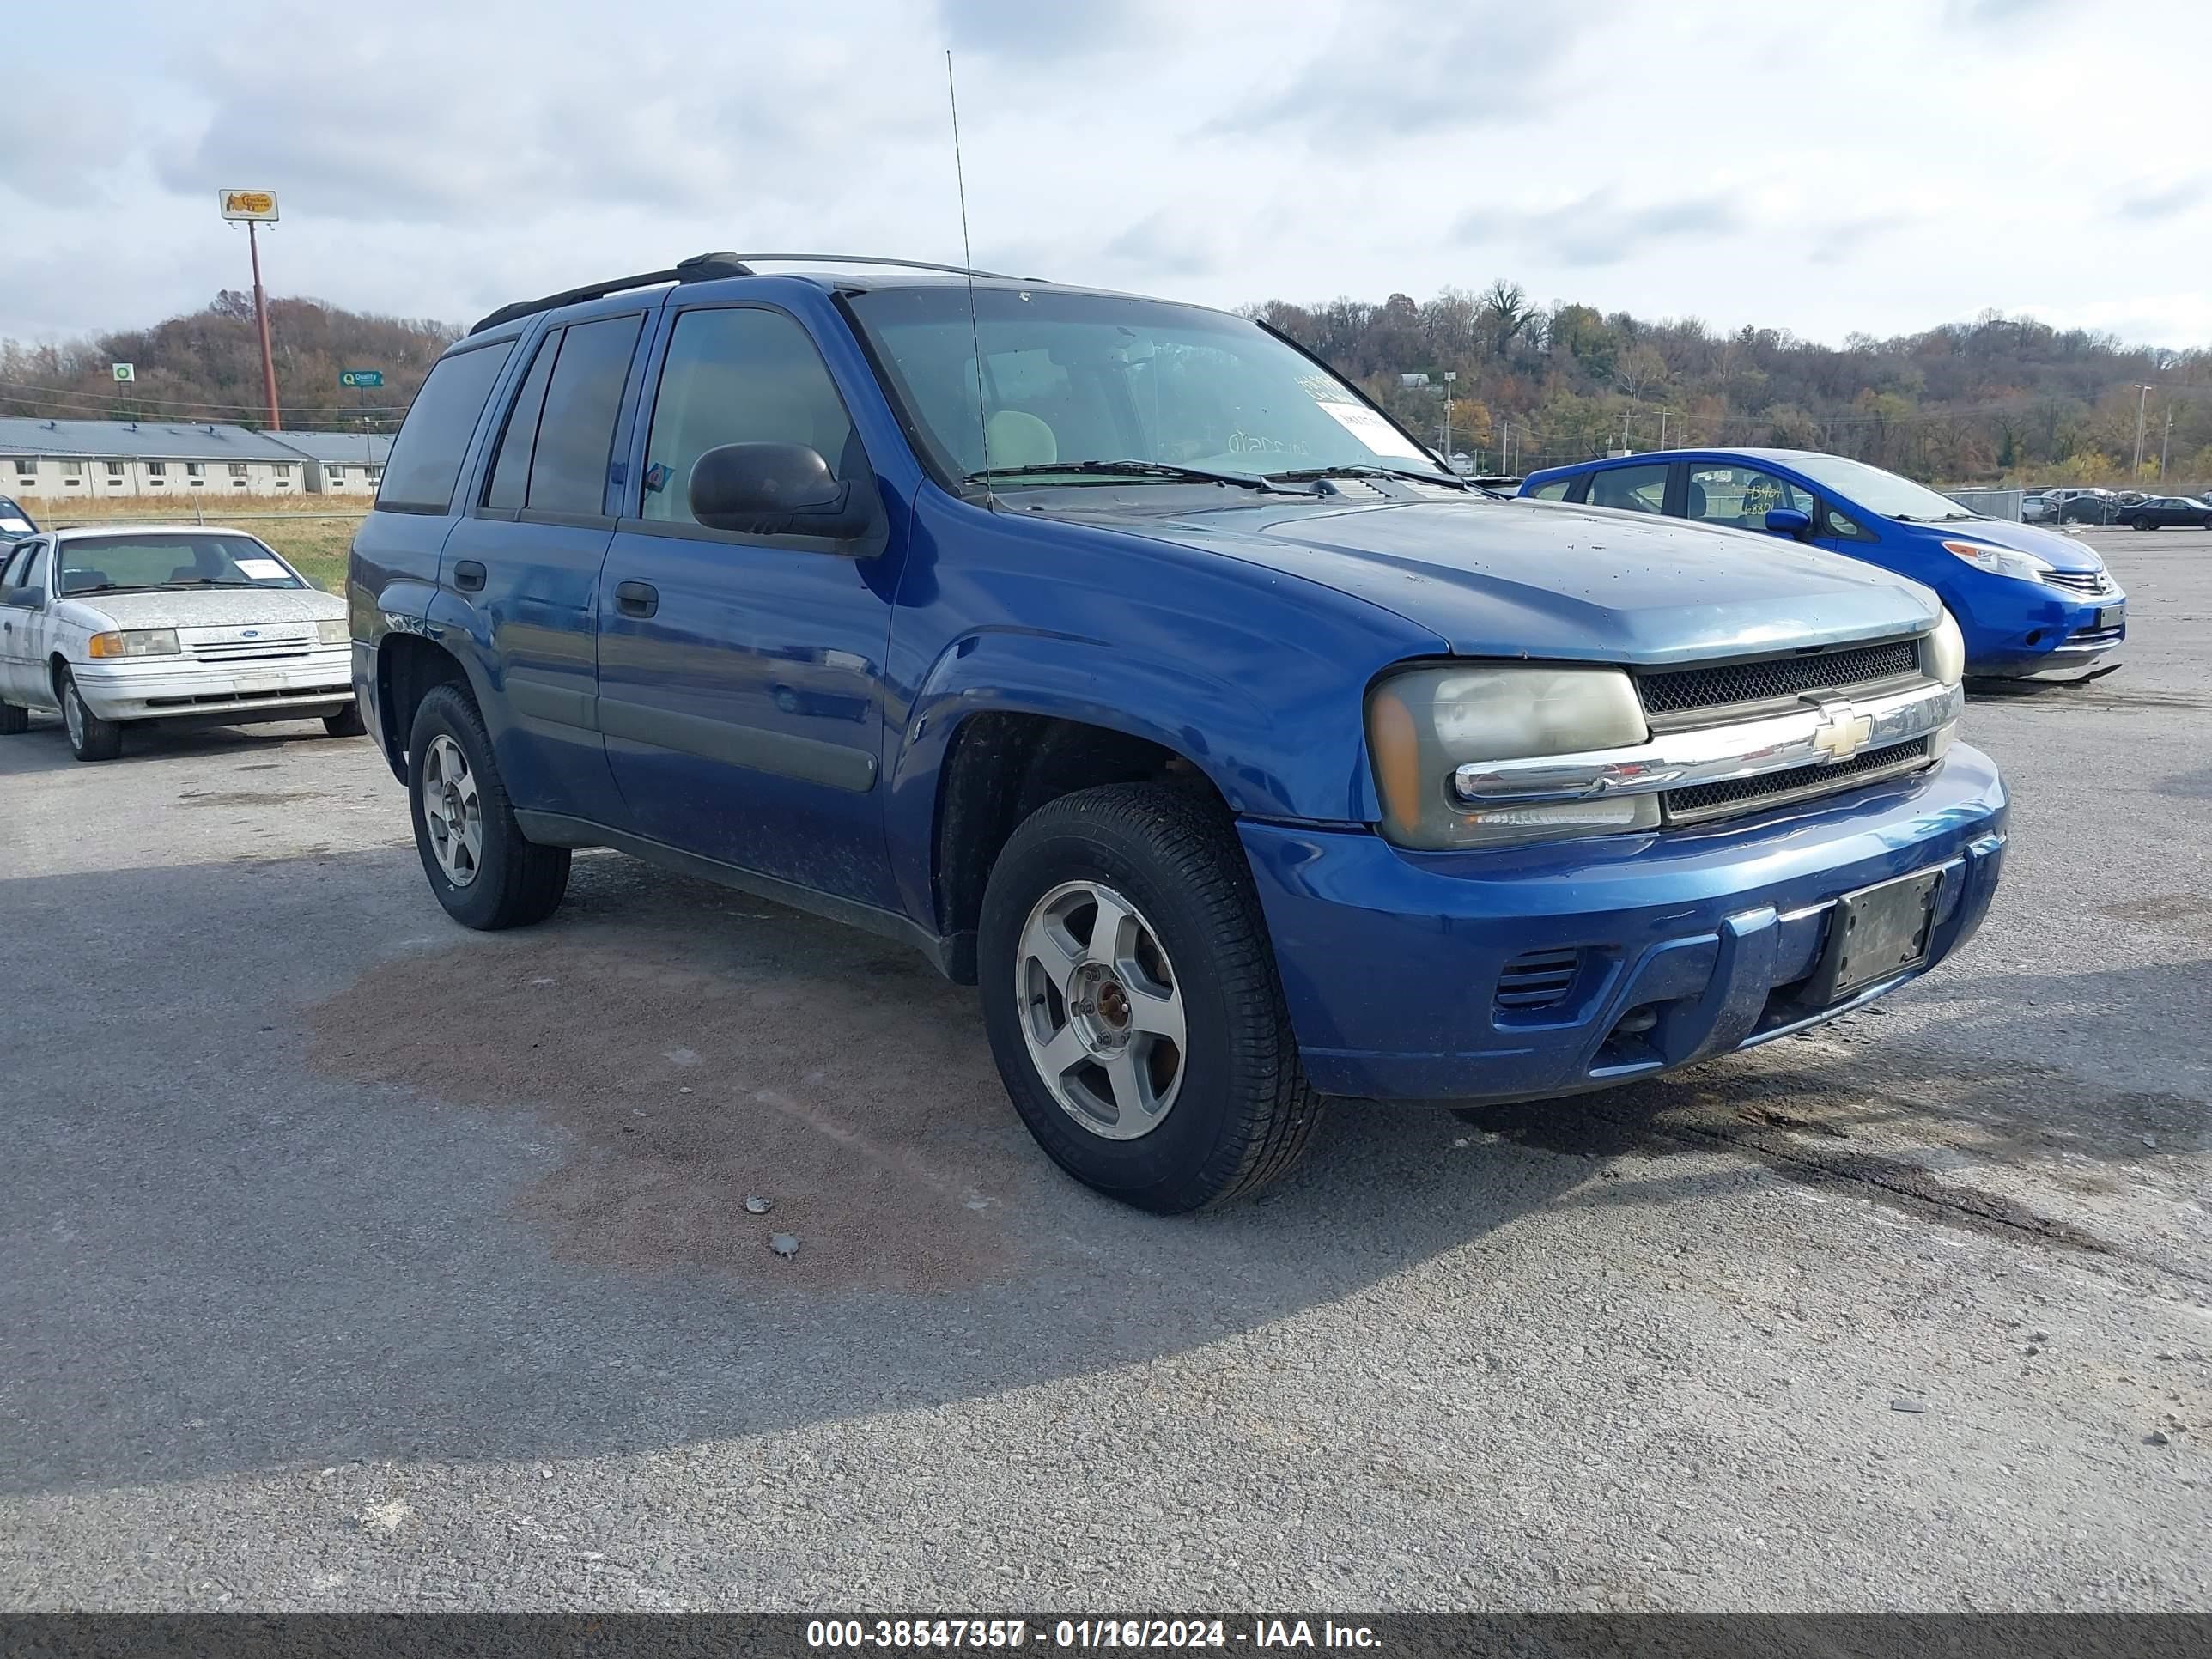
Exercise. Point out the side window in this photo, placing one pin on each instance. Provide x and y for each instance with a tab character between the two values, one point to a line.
510	471
1637	488
14	564
576	433
1554	491
1741	496
735	376
30	570
426	457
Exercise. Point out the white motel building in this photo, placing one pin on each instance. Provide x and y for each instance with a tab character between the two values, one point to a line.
54	463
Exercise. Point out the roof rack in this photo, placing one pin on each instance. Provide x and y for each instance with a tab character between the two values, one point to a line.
710	267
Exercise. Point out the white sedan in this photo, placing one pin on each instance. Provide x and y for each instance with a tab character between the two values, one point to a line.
113	626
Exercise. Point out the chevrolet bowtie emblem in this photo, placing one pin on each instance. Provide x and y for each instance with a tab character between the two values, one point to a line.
1843	731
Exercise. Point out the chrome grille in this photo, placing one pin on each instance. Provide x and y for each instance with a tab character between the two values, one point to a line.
1737	795
250	650
1679	691
2090	584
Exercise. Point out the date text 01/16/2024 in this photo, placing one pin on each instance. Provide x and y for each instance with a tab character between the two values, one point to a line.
1085	1633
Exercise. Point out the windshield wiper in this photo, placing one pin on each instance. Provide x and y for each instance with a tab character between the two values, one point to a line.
1302	474
1161	470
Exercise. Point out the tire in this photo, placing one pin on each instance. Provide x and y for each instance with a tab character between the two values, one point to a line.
14	720
90	738
505	880
1239	1112
2142	524
346	723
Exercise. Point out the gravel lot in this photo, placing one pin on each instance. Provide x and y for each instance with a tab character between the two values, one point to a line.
353	1260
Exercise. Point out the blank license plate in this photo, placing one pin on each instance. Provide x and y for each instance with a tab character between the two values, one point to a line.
2112	616
1876	933
262	680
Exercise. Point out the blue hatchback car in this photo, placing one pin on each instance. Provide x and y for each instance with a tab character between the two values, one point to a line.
2031	604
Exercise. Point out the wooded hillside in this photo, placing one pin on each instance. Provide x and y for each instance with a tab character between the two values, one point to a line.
1998	400
207	367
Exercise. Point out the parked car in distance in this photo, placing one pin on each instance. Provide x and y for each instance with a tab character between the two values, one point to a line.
2165	512
114	626
2031	604
2034	509
1241	753
14	522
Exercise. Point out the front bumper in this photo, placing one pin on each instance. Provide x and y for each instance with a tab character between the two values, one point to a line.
1392	961
157	688
2058	637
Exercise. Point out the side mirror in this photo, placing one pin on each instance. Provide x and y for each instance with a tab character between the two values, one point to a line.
1788	521
25	599
775	489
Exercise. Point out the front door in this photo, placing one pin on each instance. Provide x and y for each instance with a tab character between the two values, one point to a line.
17	562
740	675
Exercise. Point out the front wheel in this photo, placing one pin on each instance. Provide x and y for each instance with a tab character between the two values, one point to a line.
482	869
14	720
1130	997
90	738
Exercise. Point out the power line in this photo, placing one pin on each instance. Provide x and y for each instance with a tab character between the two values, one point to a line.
81	395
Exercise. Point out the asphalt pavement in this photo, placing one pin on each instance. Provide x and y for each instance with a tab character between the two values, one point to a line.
353	1260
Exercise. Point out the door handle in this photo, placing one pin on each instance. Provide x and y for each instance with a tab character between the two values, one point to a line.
469	576
636	599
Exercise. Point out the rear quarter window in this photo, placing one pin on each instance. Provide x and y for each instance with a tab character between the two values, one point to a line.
1554	491
426	457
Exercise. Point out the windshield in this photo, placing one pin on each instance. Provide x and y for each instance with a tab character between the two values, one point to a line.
1880	492
169	558
1089	380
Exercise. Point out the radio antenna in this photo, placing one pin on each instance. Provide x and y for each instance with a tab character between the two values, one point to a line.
967	261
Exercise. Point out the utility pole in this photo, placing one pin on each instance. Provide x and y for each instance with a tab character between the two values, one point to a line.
2166	443
2142	401
1450	374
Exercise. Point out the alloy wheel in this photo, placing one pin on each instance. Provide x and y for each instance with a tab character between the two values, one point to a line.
451	811
1101	1009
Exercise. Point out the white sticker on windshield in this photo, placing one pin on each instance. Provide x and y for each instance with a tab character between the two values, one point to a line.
21	527
1371	429
265	570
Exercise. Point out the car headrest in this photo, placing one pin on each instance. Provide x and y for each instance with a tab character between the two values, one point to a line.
1016	438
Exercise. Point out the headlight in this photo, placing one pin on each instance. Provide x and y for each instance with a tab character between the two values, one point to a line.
333	631
2000	560
1425	724
135	642
1943	652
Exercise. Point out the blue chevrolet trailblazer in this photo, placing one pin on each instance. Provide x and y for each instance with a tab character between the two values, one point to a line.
1135	667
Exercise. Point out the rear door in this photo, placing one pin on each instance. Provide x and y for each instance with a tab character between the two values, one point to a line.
740	675
526	557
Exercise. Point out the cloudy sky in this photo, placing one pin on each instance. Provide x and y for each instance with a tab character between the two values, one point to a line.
1880	166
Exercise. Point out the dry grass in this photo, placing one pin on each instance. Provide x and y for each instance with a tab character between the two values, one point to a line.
313	532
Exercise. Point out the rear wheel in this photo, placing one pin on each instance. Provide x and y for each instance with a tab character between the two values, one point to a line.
14	720
91	739
2143	523
479	863
1130	997
346	723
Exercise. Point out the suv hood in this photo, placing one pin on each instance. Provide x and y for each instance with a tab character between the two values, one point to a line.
1532	578
2059	552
